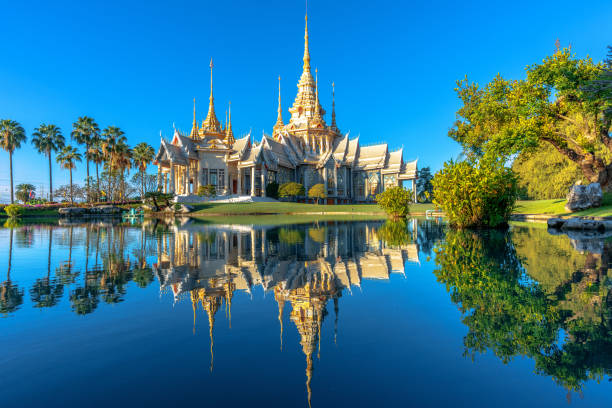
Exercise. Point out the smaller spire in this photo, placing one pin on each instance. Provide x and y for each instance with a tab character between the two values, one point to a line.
333	122
229	134
194	126
211	123
279	119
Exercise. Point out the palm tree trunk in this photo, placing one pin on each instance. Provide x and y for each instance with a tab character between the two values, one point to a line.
88	181
71	198
98	181
142	185
50	178
11	169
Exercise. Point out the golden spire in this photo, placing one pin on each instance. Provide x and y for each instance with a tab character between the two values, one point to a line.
279	119
194	127
306	50
333	116
229	133
211	123
211	323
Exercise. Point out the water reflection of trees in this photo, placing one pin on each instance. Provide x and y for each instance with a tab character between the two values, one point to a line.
492	277
107	260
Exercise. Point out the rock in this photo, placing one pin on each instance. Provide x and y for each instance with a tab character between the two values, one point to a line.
109	210
556	223
581	197
148	207
185	209
72	211
583	224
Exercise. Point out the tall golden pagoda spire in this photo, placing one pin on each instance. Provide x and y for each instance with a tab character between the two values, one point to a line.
229	134
333	115
306	50
279	119
211	123
194	126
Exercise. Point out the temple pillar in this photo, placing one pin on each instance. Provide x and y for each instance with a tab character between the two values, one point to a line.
227	181
264	248
172	179
264	177
414	192
239	181
187	179
253	181
336	181
253	244
159	178
325	178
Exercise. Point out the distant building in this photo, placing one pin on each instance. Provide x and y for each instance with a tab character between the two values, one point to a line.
306	150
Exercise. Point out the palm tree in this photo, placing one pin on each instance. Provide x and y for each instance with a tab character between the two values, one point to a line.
11	137
142	155
47	139
96	155
113	136
67	159
123	162
85	131
24	191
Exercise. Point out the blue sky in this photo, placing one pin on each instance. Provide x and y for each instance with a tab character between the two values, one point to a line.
138	65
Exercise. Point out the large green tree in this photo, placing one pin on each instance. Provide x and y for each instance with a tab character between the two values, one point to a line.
544	173
562	102
11	137
48	139
85	131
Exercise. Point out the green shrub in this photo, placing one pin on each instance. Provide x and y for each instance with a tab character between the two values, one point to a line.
291	190
317	192
14	210
476	194
272	190
207	191
395	201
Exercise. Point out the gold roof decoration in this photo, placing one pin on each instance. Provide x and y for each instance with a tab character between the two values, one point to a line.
317	120
279	119
304	105
194	128
229	134
333	126
211	123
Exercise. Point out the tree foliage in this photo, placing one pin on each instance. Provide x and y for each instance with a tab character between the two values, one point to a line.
544	173
24	192
556	103
14	210
291	190
395	201
476	194
423	185
272	190
207	191
317	192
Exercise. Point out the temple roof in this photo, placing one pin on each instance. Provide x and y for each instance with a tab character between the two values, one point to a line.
371	157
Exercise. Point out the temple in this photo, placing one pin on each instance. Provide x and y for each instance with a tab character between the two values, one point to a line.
306	150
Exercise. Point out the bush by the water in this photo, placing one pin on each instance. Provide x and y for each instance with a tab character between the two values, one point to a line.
14	210
395	201
291	190
207	191
476	194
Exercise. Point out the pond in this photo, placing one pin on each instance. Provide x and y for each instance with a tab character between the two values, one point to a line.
321	314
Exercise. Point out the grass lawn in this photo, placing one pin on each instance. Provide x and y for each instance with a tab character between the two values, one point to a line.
203	209
556	207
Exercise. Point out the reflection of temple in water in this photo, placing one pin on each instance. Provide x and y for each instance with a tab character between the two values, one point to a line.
304	266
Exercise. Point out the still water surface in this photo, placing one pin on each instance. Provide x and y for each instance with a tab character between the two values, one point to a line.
328	314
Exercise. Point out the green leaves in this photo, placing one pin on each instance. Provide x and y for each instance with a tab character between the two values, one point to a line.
475	194
395	201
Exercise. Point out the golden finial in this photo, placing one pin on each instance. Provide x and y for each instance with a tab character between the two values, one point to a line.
211	123
279	118
333	122
229	133
306	51
194	126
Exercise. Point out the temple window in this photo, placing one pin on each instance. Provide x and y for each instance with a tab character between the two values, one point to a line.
213	177
221	177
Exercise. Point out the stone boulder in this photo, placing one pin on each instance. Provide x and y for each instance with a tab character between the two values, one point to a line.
185	209
581	197
72	211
